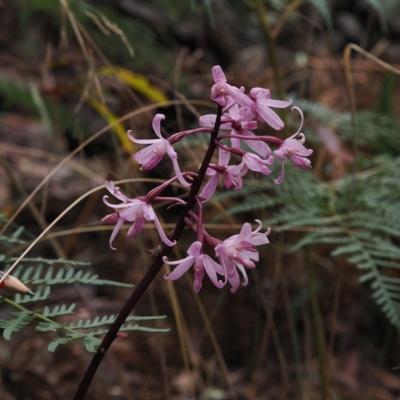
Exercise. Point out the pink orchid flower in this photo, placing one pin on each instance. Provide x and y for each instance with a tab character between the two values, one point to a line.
261	107
150	156
293	147
133	210
239	251
222	92
240	123
232	175
202	262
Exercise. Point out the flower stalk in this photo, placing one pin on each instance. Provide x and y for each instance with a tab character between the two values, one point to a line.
236	112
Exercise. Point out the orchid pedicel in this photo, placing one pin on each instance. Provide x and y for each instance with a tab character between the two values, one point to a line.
224	261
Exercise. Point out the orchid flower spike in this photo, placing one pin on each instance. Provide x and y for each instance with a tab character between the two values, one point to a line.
202	263
239	251
132	210
293	147
150	156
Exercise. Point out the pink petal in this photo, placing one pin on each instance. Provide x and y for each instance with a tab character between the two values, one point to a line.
259	93
281	152
136	227
115	231
300	162
234	112
114	190
260	148
178	173
217	74
150	156
282	175
207	120
195	249
172	154
133	212
217	267
211	272
278	103
259	239
157	124
198	278
162	233
140	141
219	93
223	157
209	188
269	116
256	164
237	95
110	219
252	255
243	271
245	232
233	276
176	262
235	143
148	212
295	146
180	269
117	206
246	114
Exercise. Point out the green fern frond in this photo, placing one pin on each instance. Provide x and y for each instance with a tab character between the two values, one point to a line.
50	276
12	239
46	261
41	293
91	340
16	324
91	343
131	328
42	272
58	310
64	340
86	324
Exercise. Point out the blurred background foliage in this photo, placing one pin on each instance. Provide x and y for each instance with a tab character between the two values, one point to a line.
321	314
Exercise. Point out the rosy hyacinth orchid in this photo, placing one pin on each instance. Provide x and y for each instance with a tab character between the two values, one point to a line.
202	263
239	251
294	148
150	156
222	92
261	107
132	210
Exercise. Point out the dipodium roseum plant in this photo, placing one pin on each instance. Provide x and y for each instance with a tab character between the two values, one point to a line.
223	260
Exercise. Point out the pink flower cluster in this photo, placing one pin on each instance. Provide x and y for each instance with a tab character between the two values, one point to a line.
240	113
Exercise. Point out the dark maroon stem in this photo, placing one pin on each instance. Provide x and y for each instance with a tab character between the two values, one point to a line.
152	271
